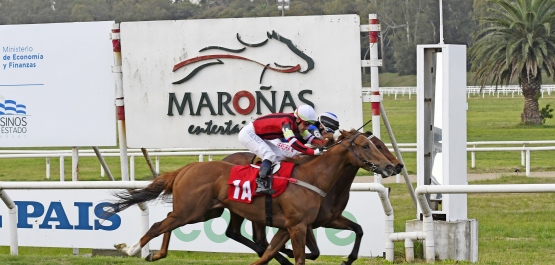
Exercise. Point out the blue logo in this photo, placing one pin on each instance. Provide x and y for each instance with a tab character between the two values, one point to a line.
11	107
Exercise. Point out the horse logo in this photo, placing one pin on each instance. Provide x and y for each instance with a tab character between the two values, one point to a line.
278	67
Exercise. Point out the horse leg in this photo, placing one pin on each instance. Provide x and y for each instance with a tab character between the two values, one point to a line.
312	245
259	237
163	252
298	240
279	239
345	224
233	231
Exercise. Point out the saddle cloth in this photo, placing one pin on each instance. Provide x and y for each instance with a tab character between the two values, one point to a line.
242	182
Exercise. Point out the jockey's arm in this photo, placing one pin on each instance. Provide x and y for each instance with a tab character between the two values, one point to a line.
295	143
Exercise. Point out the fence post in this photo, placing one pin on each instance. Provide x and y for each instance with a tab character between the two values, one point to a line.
522	156
132	168
528	162
157	165
62	175
48	168
473	158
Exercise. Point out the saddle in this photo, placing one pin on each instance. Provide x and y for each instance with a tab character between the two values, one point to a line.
242	181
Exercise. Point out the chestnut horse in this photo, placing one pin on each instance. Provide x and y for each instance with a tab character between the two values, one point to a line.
329	215
200	192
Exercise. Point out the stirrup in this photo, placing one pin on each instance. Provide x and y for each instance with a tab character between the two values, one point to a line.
263	187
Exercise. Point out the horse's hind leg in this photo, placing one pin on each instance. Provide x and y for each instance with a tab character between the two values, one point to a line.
163	252
171	222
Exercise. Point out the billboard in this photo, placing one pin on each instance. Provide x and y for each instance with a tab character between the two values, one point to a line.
56	85
63	218
196	83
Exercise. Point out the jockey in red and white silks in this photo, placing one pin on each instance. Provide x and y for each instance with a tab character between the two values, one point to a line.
257	135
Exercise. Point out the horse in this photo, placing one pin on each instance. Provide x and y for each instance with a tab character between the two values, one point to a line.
200	192
329	215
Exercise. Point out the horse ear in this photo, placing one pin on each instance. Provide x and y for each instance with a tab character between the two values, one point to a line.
344	133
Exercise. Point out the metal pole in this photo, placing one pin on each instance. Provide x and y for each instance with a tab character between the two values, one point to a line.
398	154
103	164
118	76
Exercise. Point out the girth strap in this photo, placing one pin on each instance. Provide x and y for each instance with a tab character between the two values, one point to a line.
304	184
269	209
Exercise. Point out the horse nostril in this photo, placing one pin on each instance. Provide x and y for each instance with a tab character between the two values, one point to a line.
389	167
399	166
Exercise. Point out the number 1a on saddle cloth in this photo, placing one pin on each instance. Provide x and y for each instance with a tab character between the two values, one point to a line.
242	182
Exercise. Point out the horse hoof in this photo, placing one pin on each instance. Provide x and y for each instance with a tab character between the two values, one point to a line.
119	247
149	257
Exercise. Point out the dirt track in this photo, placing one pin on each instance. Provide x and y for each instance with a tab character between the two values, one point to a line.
471	177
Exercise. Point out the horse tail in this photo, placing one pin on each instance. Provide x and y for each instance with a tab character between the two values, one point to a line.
161	184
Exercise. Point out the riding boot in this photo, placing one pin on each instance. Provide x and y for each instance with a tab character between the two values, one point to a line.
264	182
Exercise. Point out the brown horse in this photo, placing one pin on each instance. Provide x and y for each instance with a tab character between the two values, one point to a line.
200	192
329	216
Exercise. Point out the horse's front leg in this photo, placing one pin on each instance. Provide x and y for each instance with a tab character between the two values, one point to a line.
298	240
278	240
345	224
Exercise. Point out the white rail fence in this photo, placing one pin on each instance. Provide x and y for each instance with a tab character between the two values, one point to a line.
470	91
33	185
524	147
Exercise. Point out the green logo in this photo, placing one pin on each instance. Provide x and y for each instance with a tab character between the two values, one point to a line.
331	234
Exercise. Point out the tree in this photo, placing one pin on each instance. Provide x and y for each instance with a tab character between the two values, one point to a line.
518	42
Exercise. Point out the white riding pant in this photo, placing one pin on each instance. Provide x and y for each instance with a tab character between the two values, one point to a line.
265	149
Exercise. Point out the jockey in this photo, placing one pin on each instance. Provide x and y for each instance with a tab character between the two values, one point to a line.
256	137
322	129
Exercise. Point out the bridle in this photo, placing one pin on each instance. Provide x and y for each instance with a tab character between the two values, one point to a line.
356	154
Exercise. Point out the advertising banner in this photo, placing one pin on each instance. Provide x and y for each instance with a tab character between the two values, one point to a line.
56	85
75	218
196	83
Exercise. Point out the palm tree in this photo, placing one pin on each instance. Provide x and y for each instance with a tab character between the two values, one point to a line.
518	42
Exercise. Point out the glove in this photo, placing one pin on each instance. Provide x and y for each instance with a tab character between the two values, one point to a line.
319	151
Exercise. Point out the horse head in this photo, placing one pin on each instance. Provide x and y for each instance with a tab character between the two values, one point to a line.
364	153
385	151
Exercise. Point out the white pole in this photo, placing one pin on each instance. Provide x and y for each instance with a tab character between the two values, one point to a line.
157	165
527	163
118	76
132	167
62	175
75	163
523	156
473	158
13	221
48	168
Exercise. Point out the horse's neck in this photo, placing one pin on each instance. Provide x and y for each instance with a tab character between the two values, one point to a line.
324	171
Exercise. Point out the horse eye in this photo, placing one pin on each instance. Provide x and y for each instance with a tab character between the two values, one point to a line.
379	147
366	146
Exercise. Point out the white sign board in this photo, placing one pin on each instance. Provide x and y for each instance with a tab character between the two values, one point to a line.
73	218
56	85
196	83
